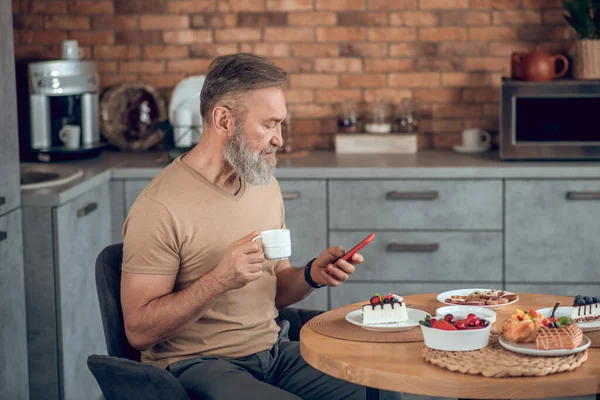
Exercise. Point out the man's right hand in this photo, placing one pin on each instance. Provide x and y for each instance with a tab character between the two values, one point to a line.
241	264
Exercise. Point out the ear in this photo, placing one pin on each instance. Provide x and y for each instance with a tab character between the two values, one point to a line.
223	121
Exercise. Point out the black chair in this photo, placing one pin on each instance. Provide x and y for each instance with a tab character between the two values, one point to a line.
120	374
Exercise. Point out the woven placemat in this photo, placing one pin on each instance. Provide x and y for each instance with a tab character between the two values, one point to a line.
333	323
495	361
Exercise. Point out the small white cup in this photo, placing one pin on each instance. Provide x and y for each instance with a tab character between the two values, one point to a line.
476	139
70	136
71	50
276	243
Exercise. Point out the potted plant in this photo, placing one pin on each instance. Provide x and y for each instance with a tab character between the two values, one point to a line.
584	17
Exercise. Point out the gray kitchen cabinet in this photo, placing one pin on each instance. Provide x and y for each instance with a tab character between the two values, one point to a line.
423	256
557	289
415	204
123	193
64	321
132	189
305	205
82	230
10	191
14	383
552	231
355	292
117	209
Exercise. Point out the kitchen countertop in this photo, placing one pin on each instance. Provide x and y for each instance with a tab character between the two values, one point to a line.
427	164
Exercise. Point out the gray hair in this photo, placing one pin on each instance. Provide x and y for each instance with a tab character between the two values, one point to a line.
232	76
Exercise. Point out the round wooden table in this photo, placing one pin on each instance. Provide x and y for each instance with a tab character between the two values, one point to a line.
400	367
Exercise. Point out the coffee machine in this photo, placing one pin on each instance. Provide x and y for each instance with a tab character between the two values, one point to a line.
63	112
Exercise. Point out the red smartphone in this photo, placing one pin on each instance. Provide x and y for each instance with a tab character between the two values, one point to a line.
356	248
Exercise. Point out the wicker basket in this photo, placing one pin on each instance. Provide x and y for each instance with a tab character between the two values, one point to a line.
586	63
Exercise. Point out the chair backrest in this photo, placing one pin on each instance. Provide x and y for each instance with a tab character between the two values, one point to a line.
108	285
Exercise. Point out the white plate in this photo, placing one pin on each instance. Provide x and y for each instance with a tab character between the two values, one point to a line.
566	312
530	350
414	316
465	292
187	94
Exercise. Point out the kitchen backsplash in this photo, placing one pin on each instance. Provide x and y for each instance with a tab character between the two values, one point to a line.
447	55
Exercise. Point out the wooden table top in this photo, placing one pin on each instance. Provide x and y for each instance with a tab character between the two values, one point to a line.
400	367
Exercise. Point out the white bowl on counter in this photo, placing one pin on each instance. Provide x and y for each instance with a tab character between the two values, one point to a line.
461	312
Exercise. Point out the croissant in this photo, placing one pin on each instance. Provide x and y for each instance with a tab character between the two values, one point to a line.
521	331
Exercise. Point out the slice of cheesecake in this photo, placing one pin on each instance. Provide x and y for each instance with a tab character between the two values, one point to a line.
585	309
384	310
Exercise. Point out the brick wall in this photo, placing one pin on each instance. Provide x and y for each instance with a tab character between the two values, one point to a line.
448	55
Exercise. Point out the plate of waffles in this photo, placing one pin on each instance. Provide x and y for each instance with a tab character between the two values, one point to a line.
493	299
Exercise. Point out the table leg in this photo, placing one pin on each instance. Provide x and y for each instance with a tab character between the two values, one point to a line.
372	393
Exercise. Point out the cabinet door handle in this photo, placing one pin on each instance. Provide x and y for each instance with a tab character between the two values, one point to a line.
412	247
3	236
293	195
583	196
87	209
2	200
428	195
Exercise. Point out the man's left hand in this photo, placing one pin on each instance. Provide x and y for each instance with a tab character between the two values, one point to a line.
323	272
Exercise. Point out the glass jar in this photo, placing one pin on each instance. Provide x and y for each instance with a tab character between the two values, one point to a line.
348	119
378	119
407	120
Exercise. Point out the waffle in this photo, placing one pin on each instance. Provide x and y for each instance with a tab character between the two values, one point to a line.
567	337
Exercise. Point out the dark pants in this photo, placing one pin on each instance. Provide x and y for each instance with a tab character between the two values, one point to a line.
279	373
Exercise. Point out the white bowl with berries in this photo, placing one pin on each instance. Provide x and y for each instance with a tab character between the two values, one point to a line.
486	313
456	332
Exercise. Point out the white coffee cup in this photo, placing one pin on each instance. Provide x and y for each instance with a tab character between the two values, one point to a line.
476	139
276	243
70	136
71	50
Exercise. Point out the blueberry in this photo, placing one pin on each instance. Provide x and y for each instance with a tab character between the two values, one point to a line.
588	300
578	297
595	299
581	302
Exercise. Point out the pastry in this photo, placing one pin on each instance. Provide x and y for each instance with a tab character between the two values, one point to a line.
384	310
561	335
522	327
585	309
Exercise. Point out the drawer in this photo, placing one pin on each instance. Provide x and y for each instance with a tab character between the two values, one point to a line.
407	204
552	230
351	292
426	256
306	217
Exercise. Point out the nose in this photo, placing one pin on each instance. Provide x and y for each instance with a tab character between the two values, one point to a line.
277	139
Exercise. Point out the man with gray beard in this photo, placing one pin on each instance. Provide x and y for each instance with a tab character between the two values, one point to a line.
199	297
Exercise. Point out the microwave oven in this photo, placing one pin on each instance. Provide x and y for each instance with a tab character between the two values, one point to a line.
555	120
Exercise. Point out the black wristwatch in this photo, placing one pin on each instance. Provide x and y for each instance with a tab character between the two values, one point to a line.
307	276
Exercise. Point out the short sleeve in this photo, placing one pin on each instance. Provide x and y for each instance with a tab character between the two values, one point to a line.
150	243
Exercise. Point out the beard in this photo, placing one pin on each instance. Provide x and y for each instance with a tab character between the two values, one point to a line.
248	163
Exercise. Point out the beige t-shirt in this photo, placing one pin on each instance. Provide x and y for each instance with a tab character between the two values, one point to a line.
182	224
